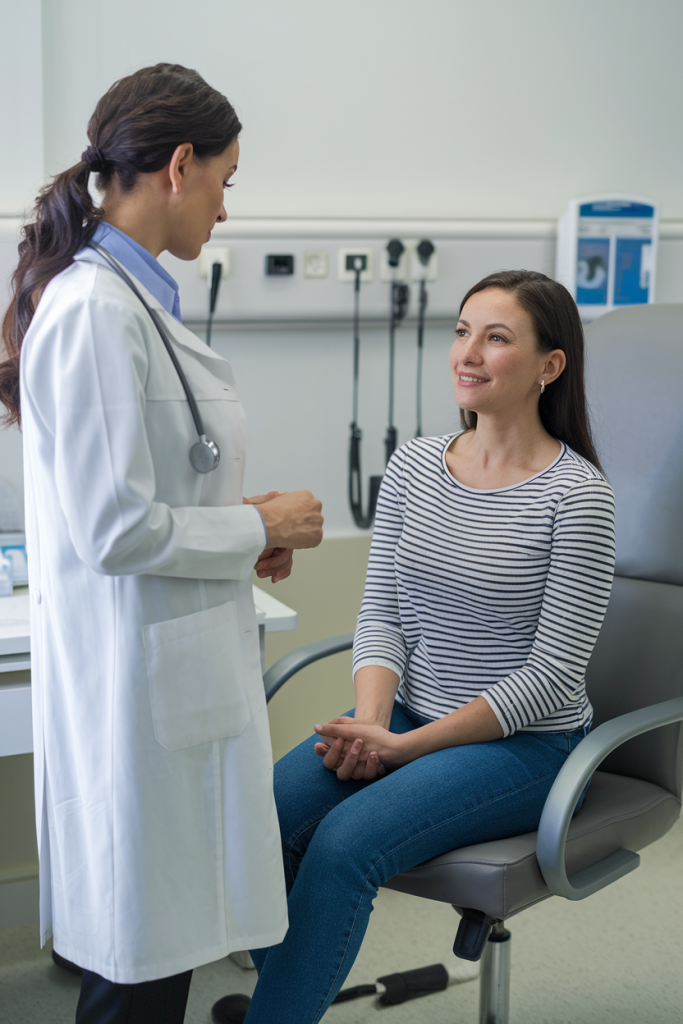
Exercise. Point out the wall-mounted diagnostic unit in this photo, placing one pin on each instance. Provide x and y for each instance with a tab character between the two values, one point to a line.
606	249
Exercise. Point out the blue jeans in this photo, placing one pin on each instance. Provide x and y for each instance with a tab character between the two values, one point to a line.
342	840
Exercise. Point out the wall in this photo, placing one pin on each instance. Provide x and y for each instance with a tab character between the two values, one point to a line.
326	588
373	108
21	109
446	108
295	378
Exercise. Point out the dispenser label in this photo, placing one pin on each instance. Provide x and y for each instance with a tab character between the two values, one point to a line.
632	271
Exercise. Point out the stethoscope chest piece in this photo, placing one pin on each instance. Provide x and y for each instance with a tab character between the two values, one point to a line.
204	455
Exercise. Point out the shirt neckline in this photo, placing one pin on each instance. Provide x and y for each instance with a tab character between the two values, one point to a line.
142	265
495	490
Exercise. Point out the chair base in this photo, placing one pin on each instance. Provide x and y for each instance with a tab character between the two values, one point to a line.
494	982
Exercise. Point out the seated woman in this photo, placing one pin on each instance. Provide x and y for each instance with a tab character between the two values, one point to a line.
489	575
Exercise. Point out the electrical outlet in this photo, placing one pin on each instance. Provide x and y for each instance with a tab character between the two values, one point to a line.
418	272
279	265
398	273
346	261
316	264
211	254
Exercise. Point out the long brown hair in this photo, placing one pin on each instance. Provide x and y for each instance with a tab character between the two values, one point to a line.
134	130
553	312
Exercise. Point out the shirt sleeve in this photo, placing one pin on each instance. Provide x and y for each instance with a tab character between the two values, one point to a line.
85	376
379	638
574	604
263	523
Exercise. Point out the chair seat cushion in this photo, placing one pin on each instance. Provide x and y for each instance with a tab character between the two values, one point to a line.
503	877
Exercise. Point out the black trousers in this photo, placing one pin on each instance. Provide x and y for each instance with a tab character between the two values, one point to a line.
150	1002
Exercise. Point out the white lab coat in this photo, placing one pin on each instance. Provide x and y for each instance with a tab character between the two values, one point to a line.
157	830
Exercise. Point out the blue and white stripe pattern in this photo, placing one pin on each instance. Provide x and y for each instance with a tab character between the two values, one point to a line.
493	593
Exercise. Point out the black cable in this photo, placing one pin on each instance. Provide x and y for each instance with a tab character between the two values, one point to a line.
355	485
420	346
400	296
424	251
394	989
216	273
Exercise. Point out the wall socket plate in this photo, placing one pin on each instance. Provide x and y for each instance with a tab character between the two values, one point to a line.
316	264
399	273
349	275
211	254
417	271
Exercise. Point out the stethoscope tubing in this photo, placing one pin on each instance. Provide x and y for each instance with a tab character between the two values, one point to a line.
202	461
194	409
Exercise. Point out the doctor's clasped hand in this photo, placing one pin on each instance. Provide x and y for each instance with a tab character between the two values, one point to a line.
291	521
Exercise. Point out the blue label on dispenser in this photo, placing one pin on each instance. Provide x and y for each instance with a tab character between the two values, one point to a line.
632	271
616	208
591	272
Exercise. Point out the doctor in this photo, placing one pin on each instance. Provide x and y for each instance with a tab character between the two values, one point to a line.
158	836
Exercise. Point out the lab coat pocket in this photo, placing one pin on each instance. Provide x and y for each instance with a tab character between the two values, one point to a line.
196	679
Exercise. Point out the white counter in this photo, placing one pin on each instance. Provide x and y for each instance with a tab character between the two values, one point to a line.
15	656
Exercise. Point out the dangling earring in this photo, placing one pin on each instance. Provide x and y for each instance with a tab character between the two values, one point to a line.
542	386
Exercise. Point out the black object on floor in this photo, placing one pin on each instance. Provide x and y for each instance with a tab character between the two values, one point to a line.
355	992
230	1009
65	964
396	988
411	984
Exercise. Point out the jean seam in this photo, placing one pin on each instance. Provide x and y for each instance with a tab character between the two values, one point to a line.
302	831
405	843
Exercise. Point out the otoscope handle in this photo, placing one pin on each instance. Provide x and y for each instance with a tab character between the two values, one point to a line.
216	273
355	489
354	452
390	442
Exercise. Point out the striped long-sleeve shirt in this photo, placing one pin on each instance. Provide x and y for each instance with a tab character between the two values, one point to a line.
495	593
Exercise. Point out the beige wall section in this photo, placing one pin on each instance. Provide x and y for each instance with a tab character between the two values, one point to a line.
18	851
325	589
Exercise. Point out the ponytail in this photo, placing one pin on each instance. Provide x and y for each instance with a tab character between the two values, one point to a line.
134	130
65	221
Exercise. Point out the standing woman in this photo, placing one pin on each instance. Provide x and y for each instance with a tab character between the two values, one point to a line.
157	831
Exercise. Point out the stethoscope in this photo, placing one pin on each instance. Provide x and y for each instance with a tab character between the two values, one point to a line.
204	455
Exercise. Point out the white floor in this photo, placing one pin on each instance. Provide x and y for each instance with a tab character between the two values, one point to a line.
616	957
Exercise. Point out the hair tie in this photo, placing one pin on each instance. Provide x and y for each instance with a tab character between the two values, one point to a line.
95	159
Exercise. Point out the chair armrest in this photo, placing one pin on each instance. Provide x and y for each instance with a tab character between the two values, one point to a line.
287	666
566	790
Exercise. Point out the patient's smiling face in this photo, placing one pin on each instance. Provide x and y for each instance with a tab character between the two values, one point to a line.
495	360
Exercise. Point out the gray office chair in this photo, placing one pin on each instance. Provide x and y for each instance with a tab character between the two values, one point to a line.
634	679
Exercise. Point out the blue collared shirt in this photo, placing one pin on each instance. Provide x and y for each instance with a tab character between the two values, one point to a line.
149	272
142	265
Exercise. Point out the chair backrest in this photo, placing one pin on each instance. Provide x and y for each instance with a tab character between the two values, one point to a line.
635	393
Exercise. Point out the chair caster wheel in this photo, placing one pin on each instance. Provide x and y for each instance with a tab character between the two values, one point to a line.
230	1009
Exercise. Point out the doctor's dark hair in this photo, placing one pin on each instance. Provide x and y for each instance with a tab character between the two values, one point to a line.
557	324
134	130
